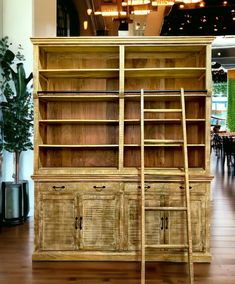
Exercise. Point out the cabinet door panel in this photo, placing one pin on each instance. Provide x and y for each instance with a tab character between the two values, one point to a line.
100	221
175	227
57	222
132	221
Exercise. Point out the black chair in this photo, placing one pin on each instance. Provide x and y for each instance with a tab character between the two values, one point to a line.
217	144
229	150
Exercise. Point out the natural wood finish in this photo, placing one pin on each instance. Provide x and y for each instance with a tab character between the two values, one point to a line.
17	267
187	209
187	192
142	139
88	146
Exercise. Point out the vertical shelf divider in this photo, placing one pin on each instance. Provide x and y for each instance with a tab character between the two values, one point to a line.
121	106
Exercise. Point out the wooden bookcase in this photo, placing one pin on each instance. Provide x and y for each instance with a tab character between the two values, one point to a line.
87	145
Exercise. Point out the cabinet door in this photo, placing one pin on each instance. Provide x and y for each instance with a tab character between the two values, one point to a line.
100	226
175	222
132	221
57	224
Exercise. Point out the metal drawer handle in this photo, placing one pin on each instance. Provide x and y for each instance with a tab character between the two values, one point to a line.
99	188
162	223
146	187
58	187
182	187
80	223
166	225
76	223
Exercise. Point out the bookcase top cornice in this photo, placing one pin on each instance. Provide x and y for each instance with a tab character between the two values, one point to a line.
114	40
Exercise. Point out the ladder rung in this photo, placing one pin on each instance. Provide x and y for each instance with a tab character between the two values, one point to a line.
166	208
164	141
168	246
163	110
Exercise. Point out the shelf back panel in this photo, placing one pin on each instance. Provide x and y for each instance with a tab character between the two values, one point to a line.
164	157
63	157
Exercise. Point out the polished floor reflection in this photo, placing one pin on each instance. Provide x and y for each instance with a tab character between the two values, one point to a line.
16	246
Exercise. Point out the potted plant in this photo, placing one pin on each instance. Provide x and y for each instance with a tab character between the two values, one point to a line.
17	118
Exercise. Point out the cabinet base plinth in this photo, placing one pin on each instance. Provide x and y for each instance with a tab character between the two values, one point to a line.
87	256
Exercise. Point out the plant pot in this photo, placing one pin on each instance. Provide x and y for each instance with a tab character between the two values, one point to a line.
15	202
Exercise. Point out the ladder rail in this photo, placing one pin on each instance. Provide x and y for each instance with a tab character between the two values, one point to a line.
186	208
187	191
142	187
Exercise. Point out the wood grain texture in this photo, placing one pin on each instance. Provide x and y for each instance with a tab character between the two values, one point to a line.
89	137
16	246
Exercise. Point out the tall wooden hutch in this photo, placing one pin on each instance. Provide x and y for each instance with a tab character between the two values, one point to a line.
87	146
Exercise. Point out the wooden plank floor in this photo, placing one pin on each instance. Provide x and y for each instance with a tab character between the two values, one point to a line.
16	246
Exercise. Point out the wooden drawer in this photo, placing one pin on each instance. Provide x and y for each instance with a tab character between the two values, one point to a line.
57	186
136	187
100	186
166	187
80	186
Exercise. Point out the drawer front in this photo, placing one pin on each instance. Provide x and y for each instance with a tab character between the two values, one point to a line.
165	187
150	187
86	186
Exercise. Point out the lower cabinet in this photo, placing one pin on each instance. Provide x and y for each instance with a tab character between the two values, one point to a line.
73	217
164	227
105	219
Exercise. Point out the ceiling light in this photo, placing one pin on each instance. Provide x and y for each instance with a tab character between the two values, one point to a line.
109	13
135	2
85	25
140	12
89	11
163	3
188	1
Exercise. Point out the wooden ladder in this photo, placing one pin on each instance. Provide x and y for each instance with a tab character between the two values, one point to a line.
185	176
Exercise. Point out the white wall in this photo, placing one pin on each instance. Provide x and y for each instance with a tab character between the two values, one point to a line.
1	22
44	18
17	25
